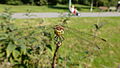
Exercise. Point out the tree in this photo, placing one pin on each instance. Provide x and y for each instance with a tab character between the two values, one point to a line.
3	1
53	2
40	2
26	1
91	8
75	1
14	2
63	1
70	3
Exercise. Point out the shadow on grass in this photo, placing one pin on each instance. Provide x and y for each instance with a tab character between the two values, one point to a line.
65	8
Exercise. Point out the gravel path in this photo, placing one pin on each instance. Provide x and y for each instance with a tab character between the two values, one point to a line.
50	15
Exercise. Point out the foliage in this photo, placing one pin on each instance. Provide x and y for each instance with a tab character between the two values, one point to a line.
3	1
14	2
27	1
29	47
63	1
41	2
22	47
54	2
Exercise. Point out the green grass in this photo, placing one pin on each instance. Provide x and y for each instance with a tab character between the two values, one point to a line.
73	51
57	8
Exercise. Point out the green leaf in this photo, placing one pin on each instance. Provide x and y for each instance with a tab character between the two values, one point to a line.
10	49
80	66
13	61
1	47
2	38
16	54
2	54
11	27
23	49
49	47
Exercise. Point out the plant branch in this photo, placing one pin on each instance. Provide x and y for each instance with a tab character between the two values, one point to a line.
55	55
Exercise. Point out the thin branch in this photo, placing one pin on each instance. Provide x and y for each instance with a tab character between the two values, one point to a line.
55	55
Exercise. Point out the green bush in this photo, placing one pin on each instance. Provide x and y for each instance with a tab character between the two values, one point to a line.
2	1
42	2
52	2
22	47
63	1
14	2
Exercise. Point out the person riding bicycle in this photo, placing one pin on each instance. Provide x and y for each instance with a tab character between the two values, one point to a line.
73	10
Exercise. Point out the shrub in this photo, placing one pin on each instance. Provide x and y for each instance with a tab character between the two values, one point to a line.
22	47
14	2
41	2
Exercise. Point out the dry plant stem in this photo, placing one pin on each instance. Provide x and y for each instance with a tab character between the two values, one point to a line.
55	56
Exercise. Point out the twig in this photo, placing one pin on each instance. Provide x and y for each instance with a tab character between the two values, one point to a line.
55	55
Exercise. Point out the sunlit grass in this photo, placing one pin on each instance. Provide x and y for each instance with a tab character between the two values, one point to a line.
57	8
72	52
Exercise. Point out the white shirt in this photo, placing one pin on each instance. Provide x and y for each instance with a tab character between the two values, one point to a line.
72	10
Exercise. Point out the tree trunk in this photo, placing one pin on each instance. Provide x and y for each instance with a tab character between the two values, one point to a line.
91	8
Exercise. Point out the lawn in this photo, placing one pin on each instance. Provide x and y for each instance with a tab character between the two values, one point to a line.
56	8
76	52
